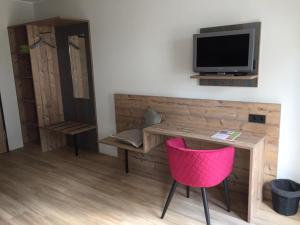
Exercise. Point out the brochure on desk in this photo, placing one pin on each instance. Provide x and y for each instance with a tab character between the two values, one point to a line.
227	135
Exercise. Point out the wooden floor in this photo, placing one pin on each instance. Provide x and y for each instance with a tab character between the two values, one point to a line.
58	188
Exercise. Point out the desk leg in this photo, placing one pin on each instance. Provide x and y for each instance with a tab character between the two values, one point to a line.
126	162
75	144
255	179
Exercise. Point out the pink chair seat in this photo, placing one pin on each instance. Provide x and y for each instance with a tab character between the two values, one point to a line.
198	168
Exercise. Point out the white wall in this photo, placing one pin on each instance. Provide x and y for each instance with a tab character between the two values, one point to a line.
11	12
145	47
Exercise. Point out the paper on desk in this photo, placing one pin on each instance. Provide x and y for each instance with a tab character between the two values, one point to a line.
227	135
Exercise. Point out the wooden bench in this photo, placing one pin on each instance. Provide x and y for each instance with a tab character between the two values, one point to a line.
122	146
71	128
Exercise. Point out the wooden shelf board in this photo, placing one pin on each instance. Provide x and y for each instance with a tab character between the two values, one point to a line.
116	143
27	77
70	127
24	77
19	53
30	124
221	77
28	100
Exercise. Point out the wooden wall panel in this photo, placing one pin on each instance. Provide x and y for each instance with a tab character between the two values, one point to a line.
194	112
47	86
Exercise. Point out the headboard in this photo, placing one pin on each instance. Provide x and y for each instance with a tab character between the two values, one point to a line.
130	109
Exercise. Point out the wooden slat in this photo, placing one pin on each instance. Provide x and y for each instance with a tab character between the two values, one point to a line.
201	113
60	124
65	126
70	127
82	130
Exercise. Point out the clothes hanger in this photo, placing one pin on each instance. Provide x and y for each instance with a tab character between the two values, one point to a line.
41	41
74	45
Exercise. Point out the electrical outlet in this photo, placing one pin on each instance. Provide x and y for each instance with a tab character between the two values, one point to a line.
254	118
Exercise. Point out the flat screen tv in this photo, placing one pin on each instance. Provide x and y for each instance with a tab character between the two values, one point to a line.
224	52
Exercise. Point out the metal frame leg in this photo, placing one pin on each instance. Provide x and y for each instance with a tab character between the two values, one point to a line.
227	195
170	196
187	191
75	144
205	204
126	162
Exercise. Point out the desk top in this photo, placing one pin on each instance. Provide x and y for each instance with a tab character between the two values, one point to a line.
246	140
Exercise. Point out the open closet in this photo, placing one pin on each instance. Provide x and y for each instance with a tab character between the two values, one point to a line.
54	81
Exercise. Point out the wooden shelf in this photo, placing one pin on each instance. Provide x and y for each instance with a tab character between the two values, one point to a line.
20	53
70	127
121	145
222	77
24	56
27	101
29	77
30	124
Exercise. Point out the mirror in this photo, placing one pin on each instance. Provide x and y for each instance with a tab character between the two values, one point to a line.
78	62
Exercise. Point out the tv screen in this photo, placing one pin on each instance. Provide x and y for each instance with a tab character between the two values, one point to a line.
226	51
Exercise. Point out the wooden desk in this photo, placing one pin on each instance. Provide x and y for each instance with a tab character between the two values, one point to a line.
154	136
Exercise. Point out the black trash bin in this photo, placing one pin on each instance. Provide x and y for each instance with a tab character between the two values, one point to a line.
285	196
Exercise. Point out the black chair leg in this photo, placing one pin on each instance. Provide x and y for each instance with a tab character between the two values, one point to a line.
205	204
75	144
227	195
126	162
170	196
187	191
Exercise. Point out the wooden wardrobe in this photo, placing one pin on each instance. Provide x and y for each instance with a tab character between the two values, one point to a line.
54	80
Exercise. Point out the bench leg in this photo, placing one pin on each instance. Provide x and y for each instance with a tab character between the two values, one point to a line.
75	144
126	162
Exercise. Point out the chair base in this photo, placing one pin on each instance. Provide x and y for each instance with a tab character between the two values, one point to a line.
170	196
187	191
227	195
205	204
204	198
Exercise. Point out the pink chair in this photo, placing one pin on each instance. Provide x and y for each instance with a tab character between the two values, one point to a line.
199	168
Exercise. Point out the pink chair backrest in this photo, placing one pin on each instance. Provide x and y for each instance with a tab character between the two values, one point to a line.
198	168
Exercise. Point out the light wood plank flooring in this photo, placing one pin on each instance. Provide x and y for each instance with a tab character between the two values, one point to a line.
58	188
